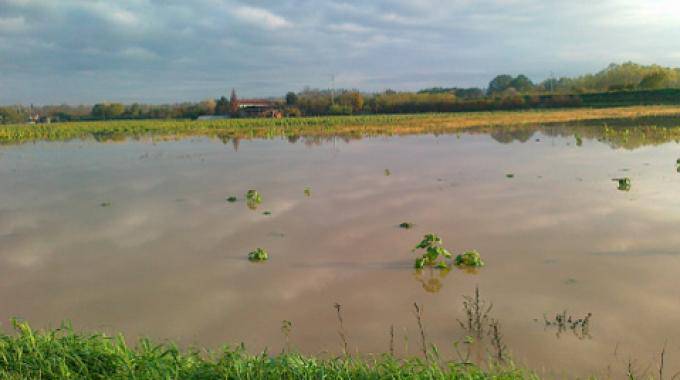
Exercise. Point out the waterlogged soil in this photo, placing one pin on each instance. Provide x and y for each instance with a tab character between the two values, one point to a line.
138	237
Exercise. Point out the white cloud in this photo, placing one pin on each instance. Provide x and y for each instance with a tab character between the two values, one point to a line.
348	27
261	17
12	24
139	53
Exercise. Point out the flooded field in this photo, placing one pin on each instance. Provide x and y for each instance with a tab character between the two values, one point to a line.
138	236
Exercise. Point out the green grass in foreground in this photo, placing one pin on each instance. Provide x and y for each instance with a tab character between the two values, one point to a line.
64	354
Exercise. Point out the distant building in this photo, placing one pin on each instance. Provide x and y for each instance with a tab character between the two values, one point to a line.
259	108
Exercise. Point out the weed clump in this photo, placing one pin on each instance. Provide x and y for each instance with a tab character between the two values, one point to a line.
232	199
258	255
253	199
623	183
406	225
432	245
469	259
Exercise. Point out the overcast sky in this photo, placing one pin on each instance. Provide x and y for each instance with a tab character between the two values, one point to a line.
86	51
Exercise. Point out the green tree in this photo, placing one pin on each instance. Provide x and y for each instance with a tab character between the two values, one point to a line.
522	84
658	79
499	84
291	98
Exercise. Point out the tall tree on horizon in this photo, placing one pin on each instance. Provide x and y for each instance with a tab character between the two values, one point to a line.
233	103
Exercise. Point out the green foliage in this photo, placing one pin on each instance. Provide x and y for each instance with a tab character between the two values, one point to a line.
108	110
64	354
291	98
510	175
105	204
623	183
432	245
469	259
406	225
308	192
253	199
232	199
258	255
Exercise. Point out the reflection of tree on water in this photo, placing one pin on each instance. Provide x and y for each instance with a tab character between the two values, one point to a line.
506	136
431	282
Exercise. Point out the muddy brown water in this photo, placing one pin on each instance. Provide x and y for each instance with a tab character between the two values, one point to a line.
137	237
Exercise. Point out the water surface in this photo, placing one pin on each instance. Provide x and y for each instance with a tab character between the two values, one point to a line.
137	237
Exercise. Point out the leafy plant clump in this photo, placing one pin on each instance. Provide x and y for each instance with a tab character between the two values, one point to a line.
677	165
253	199
406	225
258	255
105	204
232	199
469	259
509	175
308	191
624	183
432	245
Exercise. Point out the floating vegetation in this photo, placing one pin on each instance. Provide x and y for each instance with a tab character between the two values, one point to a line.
232	199
258	255
253	199
267	213
308	191
563	322
470	259
387	173
623	183
579	141
432	245
677	165
509	175
406	225
105	204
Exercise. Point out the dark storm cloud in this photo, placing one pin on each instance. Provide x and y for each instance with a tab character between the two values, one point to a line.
83	51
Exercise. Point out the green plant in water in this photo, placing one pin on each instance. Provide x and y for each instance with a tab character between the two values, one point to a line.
624	183
469	259
406	225
258	255
267	213
105	204
232	199
387	172
510	175
308	191
579	141
432	245
253	199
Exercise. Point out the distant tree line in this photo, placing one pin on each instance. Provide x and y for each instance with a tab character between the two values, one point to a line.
618	84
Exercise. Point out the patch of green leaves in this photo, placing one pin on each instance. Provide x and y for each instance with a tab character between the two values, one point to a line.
623	183
406	225
232	199
470	259
434	254
253	199
509	175
258	255
308	191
